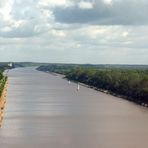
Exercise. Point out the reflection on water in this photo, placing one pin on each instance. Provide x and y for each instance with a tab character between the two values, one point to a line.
44	110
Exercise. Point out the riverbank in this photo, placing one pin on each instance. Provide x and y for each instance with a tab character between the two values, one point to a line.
130	84
139	102
136	101
3	102
113	94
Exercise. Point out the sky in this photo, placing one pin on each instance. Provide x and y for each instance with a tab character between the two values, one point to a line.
74	31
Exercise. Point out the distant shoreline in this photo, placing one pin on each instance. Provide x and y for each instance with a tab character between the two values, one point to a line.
113	94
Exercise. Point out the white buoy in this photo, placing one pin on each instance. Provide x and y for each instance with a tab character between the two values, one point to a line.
78	87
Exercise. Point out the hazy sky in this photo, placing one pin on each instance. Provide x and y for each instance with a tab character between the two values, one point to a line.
74	31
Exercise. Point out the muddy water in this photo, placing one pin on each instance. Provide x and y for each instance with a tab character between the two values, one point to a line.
45	111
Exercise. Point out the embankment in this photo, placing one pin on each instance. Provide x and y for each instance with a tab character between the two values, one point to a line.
4	85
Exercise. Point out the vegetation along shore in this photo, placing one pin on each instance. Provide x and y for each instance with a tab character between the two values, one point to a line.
126	81
3	90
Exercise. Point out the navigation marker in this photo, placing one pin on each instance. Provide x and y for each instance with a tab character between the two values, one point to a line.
78	87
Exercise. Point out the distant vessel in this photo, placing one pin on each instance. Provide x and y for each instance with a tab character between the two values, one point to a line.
78	87
10	64
69	82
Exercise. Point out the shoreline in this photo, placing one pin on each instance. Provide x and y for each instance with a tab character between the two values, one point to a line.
3	102
111	93
103	90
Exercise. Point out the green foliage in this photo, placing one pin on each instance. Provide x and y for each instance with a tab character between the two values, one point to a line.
4	66
2	84
127	80
130	83
3	78
56	68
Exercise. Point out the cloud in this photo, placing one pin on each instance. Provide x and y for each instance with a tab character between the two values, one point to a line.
53	3
85	5
74	31
105	12
23	19
125	34
109	2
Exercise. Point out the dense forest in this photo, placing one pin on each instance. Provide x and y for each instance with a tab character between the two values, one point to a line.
57	68
127	81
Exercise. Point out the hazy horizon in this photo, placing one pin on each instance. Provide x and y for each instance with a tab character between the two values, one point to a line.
72	63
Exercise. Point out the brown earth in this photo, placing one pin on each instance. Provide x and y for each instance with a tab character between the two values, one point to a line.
3	102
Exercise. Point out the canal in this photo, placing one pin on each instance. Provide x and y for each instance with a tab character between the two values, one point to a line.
45	111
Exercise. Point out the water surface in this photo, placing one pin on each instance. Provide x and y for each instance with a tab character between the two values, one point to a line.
45	111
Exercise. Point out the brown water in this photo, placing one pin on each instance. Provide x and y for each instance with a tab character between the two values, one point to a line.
44	111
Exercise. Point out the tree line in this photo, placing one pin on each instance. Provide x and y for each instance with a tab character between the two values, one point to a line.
130	82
